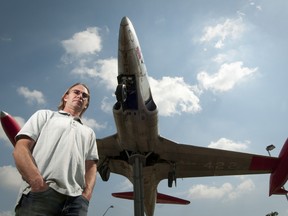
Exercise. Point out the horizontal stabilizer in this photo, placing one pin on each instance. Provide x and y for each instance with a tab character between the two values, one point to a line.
161	198
124	195
166	199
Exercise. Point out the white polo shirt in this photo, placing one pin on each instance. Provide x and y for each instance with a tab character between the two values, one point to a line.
63	144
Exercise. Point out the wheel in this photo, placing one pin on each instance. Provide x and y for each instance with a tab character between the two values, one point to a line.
121	93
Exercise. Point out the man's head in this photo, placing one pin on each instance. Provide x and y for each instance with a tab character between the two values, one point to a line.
76	97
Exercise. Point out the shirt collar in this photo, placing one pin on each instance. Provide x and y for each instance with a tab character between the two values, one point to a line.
76	118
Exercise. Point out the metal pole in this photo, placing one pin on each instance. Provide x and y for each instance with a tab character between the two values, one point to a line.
137	161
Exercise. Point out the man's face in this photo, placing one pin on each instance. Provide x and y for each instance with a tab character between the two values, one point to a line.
77	98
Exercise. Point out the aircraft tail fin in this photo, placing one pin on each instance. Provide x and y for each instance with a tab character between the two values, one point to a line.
280	191
279	176
277	167
161	198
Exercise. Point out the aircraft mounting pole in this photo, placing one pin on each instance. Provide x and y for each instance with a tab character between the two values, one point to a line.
137	160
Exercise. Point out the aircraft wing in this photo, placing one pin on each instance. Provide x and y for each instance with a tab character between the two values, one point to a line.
108	146
194	161
185	160
110	152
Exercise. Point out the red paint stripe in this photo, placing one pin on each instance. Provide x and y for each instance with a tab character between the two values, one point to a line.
262	163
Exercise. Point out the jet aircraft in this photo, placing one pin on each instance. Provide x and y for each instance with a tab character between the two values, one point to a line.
139	153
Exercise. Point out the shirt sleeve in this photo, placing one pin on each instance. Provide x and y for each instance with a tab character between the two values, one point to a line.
32	128
93	151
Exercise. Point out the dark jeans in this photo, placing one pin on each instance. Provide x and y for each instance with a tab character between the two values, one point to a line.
51	203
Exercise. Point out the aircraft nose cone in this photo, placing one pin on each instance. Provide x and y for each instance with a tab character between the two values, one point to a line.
127	36
125	21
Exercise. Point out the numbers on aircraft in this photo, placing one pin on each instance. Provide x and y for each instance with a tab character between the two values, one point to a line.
220	165
232	166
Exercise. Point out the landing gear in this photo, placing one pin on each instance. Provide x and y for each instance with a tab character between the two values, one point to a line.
121	93
137	161
172	175
171	178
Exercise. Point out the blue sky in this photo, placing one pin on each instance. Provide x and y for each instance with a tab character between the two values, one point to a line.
217	73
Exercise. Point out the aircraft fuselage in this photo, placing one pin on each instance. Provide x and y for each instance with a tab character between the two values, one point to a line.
135	112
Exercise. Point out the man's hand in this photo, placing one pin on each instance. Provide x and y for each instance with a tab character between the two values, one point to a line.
26	165
90	178
38	185
87	195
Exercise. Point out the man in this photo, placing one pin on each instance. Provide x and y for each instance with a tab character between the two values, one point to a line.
56	155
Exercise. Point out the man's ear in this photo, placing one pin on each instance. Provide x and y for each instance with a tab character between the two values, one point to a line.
65	97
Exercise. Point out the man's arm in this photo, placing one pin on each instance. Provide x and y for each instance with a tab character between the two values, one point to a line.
90	178
26	166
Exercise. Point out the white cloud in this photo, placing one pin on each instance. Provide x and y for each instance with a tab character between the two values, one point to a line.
85	42
126	185
228	56
173	96
224	192
105	69
209	192
32	96
226	78
226	144
243	188
106	105
219	44
229	29
220	58
259	8
93	124
9	178
108	69
84	71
